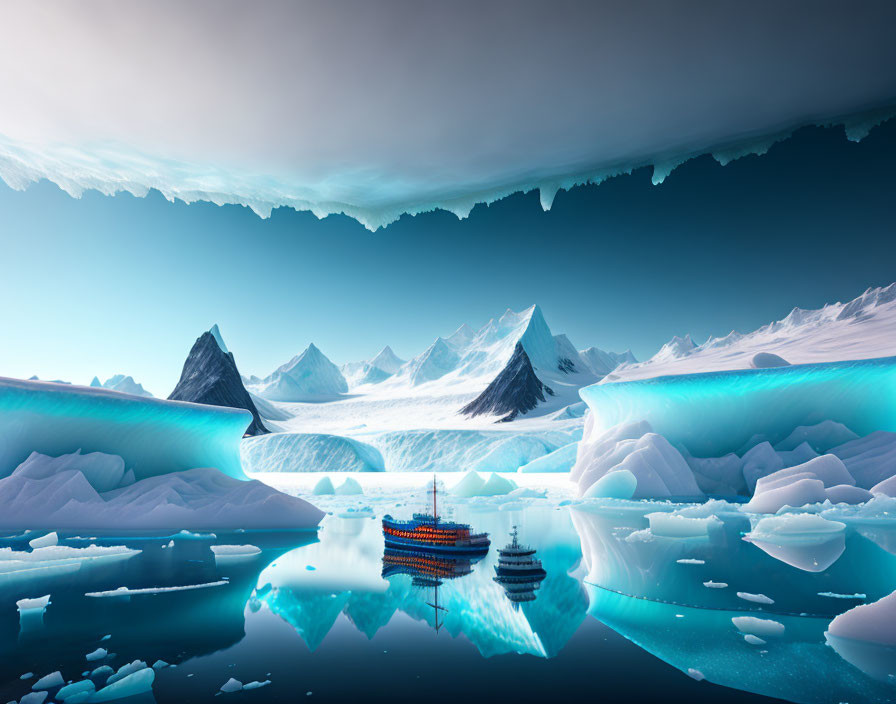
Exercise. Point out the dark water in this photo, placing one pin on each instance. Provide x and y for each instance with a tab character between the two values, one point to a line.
318	619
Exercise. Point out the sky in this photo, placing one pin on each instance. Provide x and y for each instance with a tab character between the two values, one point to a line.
103	284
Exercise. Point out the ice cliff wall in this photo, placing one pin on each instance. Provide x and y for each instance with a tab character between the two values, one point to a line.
717	413
151	435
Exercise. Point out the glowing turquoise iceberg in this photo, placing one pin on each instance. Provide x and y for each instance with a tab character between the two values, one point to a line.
717	413
153	437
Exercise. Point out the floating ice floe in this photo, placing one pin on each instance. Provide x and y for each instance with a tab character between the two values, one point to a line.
126	591
755	598
227	554
136	682
36	603
715	585
672	525
97	654
44	541
865	636
806	541
76	691
763	627
54	679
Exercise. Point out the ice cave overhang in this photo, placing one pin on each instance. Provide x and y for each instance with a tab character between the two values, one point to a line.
715	413
379	109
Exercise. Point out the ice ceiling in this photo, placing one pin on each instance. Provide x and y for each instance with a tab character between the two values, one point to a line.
376	109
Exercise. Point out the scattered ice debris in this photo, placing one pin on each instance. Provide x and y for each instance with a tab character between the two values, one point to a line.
323	487
54	679
715	585
39	602
126	670
690	561
137	682
695	674
159	664
755	598
753	640
803	540
349	487
45	541
126	591
256	684
672	525
97	654
106	637
758	626
102	671
57	559
231	685
26	676
33	698
617	484
84	687
834	595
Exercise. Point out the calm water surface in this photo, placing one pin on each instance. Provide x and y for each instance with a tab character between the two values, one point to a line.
618	617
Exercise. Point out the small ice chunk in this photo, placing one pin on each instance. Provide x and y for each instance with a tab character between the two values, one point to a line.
135	683
758	626
39	602
26	676
70	690
102	671
803	540
234	553
324	487
33	698
45	541
671	525
497	485
256	684
159	664
690	561
695	674
126	670
349	487
835	595
768	360
54	679
231	685
755	598
106	637
470	485
97	654
753	640
715	585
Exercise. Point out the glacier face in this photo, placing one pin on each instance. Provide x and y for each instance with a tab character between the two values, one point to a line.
713	414
309	452
152	436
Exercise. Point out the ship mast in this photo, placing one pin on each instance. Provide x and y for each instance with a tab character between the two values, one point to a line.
435	514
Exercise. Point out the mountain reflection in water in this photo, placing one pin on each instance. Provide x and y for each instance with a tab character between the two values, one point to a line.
306	610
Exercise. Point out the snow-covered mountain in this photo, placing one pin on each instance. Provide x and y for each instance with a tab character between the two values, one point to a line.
372	371
122	383
602	363
310	375
862	328
210	376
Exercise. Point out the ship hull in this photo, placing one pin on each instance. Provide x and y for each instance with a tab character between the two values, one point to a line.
397	543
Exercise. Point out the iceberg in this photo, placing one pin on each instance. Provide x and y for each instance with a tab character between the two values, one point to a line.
152	436
712	414
865	636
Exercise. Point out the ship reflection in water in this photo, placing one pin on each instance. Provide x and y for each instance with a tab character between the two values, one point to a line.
518	571
427	571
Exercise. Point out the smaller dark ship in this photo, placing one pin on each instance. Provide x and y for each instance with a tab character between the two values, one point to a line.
518	571
429	533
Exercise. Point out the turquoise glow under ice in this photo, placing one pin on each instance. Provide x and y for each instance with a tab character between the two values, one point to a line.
152	436
716	413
